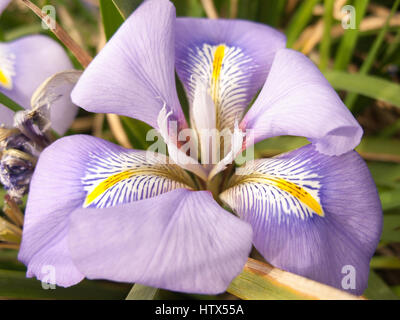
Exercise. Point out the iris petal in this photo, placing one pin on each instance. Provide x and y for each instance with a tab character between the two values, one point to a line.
133	75
231	57
311	214
80	171
181	240
297	100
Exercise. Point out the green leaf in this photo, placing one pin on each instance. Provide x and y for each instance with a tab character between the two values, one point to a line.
396	290
391	228
112	18
191	8
9	103
273	146
382	149
299	21
14	284
390	199
270	12
372	53
385	174
141	292
378	289
8	260
261	281
369	86
349	40
325	45
136	131
385	262
126	7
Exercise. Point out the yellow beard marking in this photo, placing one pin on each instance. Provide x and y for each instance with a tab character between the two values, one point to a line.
5	81
217	66
293	189
112	180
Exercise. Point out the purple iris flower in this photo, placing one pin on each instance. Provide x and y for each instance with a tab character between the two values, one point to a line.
101	211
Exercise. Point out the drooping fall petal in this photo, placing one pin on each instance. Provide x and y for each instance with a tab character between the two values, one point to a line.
311	214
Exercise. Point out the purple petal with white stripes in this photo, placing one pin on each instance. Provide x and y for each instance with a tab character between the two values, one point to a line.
181	240
83	171
297	100
311	214
229	57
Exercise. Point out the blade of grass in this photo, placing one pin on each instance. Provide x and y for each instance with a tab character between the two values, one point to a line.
300	19
126	7
370	148
9	103
111	17
14	284
349	40
391	228
136	131
247	9
385	262
372	55
81	55
369	86
390	130
325	45
378	289
270	12
261	281
141	292
393	47
390	199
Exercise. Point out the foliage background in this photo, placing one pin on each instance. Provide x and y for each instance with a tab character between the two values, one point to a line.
362	64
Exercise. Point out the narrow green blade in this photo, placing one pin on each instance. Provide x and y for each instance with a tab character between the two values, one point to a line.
126	7
369	86
299	21
9	103
349	40
112	18
261	281
140	292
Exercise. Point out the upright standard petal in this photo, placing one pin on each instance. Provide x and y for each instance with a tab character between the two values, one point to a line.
24	64
133	75
181	240
297	100
315	215
83	171
230	57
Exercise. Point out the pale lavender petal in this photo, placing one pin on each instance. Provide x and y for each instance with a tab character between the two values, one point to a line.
235	71
133	75
181	240
297	100
289	229
33	59
70	174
